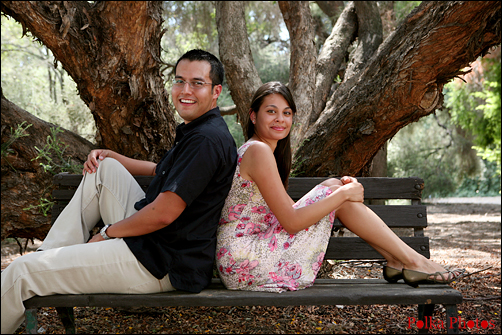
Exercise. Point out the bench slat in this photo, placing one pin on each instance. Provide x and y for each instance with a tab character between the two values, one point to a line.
345	248
323	292
375	187
393	216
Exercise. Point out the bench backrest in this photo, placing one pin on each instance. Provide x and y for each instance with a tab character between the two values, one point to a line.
411	215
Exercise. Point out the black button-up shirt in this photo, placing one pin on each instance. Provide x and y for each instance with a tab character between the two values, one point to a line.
199	168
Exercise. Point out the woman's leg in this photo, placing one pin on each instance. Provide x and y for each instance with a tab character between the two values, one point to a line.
366	224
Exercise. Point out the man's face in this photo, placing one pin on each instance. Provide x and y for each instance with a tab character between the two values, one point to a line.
192	102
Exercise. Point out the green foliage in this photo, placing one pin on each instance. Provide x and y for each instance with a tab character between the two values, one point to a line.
424	149
56	147
475	107
441	153
403	8
14	136
44	206
487	183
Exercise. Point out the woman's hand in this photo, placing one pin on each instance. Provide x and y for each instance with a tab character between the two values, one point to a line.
352	189
347	179
91	164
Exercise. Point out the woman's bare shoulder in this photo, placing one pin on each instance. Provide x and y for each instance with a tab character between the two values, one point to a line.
259	148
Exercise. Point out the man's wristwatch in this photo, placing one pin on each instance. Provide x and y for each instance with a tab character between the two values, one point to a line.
103	232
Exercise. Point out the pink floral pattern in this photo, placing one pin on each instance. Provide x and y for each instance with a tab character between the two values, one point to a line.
255	253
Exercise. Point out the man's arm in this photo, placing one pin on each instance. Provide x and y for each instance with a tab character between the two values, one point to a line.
135	167
166	208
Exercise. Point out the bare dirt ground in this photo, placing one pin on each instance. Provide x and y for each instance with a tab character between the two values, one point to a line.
462	235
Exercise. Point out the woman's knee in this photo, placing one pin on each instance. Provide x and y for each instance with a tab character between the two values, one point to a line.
332	183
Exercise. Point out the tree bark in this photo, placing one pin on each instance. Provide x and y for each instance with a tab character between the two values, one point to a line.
332	57
300	25
235	54
369	35
24	181
331	8
111	49
400	83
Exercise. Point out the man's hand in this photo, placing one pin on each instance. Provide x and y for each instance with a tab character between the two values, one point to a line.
91	164
96	238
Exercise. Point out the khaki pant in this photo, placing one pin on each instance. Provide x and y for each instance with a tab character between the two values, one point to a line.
66	264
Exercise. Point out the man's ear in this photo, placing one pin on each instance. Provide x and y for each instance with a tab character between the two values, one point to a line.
217	91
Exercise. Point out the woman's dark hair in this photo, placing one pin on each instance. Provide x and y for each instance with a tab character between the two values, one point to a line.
282	152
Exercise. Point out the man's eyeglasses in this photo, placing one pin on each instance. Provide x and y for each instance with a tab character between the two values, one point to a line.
196	85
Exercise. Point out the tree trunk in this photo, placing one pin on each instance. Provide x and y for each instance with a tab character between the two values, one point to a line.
235	54
111	49
24	181
369	35
300	25
332	57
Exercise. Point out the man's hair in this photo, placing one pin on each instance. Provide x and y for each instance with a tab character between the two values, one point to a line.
217	73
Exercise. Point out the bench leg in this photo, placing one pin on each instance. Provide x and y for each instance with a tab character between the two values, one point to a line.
67	318
425	313
31	320
451	314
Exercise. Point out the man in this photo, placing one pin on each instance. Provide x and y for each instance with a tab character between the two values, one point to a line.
156	241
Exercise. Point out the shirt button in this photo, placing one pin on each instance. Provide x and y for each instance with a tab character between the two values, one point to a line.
163	172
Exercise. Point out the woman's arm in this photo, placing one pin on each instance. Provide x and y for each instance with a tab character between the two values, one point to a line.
135	167
258	164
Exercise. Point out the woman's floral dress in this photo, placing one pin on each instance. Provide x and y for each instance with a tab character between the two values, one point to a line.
255	253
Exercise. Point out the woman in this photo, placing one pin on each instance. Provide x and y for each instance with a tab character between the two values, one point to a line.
267	242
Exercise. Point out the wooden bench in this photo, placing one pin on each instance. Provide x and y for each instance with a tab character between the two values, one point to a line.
412	216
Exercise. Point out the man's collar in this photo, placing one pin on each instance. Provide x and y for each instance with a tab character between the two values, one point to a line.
185	127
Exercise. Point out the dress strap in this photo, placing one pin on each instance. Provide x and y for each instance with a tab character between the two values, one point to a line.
242	150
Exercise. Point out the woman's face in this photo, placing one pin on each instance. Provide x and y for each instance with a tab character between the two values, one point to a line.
274	118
